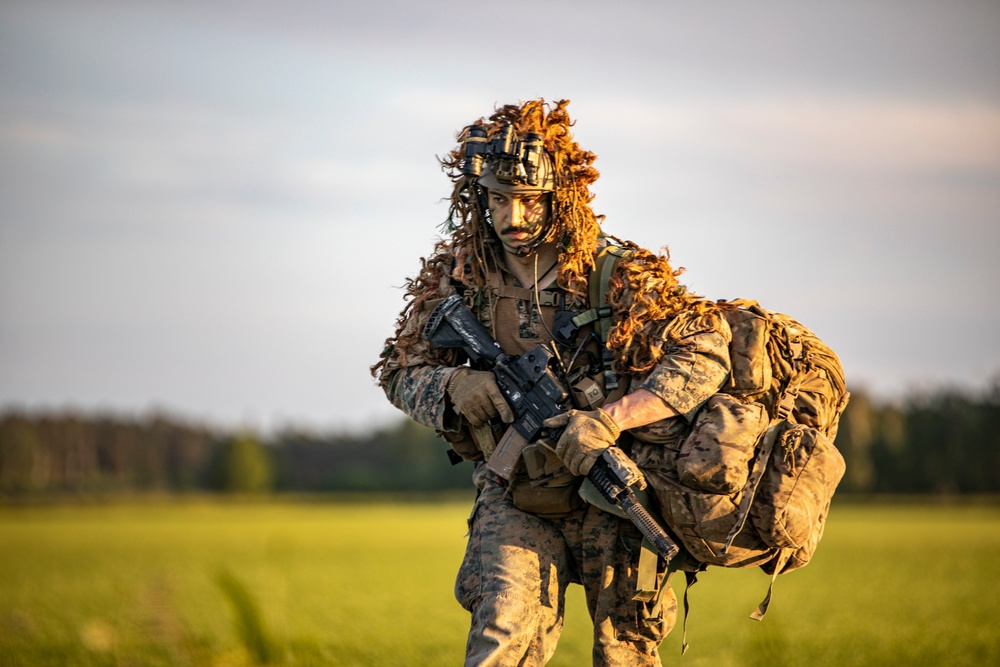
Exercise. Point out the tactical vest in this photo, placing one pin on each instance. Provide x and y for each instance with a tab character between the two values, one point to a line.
522	318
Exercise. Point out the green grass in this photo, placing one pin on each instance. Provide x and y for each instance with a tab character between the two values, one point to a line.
370	583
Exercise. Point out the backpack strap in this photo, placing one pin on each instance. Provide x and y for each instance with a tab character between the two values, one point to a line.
691	579
605	263
604	267
780	561
782	408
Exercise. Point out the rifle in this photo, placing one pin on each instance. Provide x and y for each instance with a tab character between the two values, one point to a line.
535	393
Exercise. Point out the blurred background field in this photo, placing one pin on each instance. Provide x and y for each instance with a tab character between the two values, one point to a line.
151	540
368	582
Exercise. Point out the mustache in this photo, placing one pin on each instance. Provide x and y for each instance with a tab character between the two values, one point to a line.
527	229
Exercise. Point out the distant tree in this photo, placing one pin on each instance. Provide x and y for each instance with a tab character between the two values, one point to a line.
245	466
402	457
21	455
854	440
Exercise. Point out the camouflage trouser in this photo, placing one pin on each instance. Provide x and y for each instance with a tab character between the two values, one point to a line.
514	577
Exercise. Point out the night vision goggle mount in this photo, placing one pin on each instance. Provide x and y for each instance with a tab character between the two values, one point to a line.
513	161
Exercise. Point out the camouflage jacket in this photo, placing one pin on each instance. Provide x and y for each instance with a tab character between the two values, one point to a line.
694	367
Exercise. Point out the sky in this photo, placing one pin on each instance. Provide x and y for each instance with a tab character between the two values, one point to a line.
209	208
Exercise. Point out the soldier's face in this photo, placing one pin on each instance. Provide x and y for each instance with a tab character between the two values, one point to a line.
519	219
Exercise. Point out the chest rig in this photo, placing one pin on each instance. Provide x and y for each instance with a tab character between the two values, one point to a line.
575	328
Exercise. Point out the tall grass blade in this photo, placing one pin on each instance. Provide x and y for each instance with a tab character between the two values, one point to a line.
250	626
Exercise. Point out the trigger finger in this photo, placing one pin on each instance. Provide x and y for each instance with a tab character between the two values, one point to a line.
503	409
557	421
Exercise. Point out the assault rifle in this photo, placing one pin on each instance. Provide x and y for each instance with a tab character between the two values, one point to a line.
535	393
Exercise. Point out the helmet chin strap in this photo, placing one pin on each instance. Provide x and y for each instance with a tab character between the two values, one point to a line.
528	248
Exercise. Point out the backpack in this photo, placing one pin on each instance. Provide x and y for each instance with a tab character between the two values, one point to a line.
751	481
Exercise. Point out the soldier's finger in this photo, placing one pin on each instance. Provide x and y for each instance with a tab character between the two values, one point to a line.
557	421
563	448
506	414
474	415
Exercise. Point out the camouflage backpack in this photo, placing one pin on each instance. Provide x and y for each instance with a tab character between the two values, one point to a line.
749	482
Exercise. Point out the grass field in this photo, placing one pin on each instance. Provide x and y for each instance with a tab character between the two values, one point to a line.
369	583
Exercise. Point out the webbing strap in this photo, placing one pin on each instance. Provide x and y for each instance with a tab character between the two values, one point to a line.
692	579
784	406
753	481
604	267
588	316
779	565
545	297
646	584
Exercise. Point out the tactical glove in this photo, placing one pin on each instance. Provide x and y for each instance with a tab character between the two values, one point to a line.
476	397
586	437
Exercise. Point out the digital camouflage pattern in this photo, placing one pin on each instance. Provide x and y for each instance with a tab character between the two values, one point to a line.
542	522
516	570
420	392
805	469
695	364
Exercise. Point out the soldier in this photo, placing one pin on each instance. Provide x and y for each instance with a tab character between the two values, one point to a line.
523	246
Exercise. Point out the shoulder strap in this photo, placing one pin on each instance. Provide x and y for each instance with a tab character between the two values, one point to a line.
604	267
605	263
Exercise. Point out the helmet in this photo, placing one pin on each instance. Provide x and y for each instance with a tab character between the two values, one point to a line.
537	154
510	164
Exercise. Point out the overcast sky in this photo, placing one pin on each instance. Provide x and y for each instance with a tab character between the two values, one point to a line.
208	207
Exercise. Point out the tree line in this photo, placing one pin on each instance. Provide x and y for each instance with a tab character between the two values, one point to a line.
942	442
74	453
939	442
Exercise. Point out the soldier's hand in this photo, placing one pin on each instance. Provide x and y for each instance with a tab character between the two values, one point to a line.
586	436
476	397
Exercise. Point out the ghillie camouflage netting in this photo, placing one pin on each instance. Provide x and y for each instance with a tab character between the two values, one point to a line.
644	291
647	297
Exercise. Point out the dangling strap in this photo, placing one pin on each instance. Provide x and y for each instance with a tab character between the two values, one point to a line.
649	589
646	587
753	481
692	579
783	408
779	565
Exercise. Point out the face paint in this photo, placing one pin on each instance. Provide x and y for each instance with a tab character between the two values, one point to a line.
519	220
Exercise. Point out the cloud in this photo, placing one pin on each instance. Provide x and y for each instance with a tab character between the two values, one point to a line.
208	203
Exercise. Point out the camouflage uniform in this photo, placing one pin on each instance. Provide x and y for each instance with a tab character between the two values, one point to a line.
516	570
517	563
